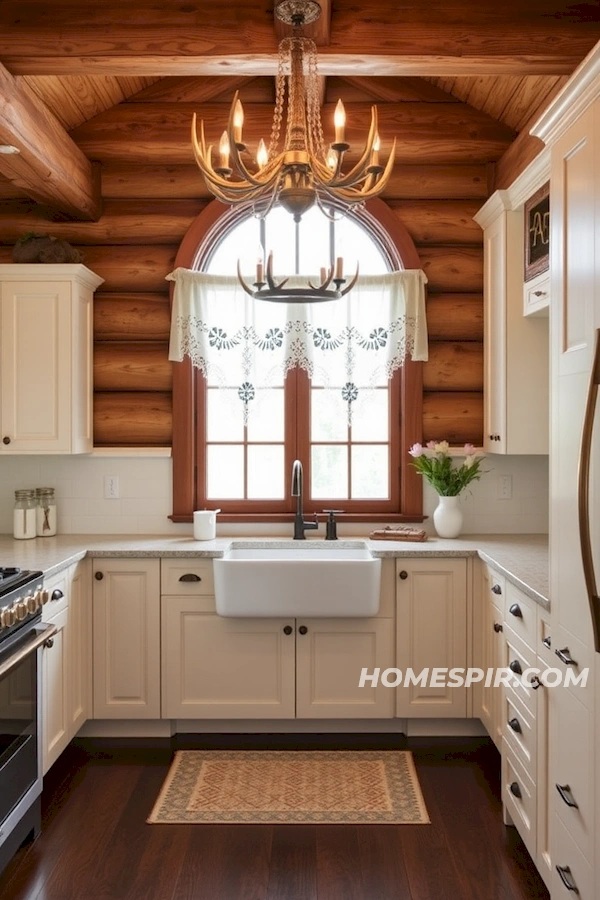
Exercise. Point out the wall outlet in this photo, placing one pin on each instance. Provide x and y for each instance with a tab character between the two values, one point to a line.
504	487
111	487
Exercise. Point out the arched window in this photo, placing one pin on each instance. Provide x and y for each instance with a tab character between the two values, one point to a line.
243	466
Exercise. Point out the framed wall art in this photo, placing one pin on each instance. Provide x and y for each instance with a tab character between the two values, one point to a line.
537	232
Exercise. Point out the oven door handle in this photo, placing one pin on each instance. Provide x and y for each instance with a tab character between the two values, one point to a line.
27	649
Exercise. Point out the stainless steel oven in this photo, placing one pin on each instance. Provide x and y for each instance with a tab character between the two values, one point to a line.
22	637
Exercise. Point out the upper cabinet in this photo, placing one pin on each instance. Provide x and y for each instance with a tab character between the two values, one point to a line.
46	359
516	371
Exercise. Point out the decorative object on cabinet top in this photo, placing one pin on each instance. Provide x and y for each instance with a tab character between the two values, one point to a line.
44	248
537	232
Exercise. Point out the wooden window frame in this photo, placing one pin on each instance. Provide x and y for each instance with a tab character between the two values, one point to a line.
406	397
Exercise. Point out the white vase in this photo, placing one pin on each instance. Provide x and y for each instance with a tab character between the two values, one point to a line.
448	517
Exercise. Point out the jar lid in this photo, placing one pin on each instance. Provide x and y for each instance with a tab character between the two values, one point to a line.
40	491
24	494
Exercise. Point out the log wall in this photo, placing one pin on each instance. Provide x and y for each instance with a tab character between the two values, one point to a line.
148	207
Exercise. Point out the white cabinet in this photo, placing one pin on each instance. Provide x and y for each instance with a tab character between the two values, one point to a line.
46	385
536	295
126	644
516	403
431	633
66	661
488	619
220	668
330	655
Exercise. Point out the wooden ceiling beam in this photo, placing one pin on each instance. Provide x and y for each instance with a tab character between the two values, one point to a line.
49	167
189	90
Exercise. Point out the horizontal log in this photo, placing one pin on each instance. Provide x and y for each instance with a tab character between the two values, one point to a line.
133	420
122	222
126	180
454	417
437	221
133	268
454	366
391	90
426	132
129	317
455	317
126	366
451	269
194	90
178	39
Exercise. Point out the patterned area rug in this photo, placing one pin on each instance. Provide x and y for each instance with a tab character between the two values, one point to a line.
278	787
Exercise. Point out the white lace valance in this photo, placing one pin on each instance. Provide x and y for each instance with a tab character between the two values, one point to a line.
352	343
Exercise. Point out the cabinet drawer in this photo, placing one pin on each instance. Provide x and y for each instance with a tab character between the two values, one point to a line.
184	577
573	768
496	585
520	614
520	732
582	655
520	798
516	652
58	589
536	296
575	868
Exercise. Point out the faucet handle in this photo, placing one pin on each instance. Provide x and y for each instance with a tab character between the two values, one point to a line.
331	525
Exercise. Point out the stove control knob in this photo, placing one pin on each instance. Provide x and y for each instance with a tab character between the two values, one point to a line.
7	617
32	603
20	609
44	597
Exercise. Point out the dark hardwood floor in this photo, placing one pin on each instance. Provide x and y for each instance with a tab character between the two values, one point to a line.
95	844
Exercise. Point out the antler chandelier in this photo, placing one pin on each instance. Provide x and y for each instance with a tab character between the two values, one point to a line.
304	171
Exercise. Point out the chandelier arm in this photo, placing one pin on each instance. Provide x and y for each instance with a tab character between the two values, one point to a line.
269	275
202	156
352	283
242	282
357	171
325	284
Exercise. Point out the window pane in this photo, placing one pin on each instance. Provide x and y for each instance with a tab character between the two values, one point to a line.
370	416
314	242
224	472
329	473
328	416
266	420
242	243
265	472
354	244
369	472
224	416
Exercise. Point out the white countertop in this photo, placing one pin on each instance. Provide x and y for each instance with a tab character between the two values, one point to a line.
522	558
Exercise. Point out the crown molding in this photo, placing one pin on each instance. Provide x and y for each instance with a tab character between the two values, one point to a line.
494	206
582	88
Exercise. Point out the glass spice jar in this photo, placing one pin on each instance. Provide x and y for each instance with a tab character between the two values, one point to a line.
45	512
24	515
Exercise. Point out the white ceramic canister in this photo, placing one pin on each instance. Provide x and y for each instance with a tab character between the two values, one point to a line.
205	524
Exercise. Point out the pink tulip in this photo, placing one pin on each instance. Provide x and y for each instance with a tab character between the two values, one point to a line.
416	450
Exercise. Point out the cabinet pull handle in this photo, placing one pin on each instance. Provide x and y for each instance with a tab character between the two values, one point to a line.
535	683
303	629
190	576
515	610
498	627
539	293
99	576
515	725
515	790
583	494
49	643
56	594
515	666
547	642
287	629
403	575
565	657
565	792
6	440
567	878
496	589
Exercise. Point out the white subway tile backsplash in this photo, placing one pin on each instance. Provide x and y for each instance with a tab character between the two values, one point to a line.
145	495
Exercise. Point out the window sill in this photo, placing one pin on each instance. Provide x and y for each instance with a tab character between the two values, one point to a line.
257	519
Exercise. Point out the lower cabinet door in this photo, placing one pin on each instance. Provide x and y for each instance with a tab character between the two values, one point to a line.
225	668
55	699
330	656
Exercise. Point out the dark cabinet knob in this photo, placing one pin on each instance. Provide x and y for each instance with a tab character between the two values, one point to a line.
56	594
49	643
303	629
496	589
515	666
515	790
6	440
565	656
515	610
565	792
547	642
403	575
99	576
287	629
190	576
498	627
535	683
515	725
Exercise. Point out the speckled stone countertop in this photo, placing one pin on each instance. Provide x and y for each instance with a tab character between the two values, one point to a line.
522	558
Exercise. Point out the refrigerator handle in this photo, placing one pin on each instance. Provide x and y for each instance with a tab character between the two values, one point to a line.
584	494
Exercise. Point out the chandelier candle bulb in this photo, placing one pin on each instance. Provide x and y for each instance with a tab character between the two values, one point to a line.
262	157
375	151
224	151
260	272
323	275
339	120
238	121
339	268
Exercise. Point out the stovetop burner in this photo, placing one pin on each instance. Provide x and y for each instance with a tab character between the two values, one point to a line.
12	578
8	572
